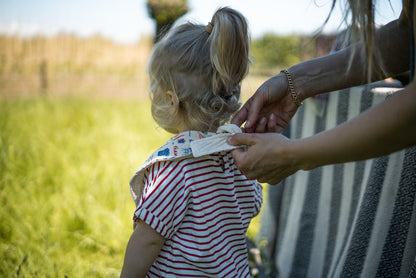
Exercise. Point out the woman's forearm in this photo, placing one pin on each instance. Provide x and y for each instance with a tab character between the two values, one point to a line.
388	127
332	72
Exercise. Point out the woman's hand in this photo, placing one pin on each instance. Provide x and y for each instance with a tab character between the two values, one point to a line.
267	159
269	109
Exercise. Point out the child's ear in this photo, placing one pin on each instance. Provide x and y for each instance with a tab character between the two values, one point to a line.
174	102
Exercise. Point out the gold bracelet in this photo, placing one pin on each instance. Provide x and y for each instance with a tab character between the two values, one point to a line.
291	88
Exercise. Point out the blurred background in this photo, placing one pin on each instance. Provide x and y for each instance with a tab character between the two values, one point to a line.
75	122
100	48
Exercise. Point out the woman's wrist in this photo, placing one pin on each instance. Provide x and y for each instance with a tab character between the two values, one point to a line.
302	156
295	156
300	83
324	74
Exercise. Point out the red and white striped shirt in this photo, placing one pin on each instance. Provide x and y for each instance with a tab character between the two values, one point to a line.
202	207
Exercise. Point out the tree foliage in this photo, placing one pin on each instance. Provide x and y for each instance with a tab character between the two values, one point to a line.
274	50
165	12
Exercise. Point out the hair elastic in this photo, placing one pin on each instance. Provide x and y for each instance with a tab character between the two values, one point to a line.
209	27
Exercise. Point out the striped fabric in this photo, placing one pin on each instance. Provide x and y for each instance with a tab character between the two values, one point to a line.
203	207
355	219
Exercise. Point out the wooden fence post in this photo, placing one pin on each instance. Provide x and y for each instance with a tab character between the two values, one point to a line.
43	74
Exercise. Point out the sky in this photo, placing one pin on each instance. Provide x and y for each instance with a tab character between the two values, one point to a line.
125	21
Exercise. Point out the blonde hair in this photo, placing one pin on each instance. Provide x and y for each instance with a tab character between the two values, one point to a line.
203	71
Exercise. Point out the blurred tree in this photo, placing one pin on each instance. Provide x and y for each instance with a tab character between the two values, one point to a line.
277	50
283	51
165	12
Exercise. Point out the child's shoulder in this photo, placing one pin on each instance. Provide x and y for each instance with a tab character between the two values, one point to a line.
175	150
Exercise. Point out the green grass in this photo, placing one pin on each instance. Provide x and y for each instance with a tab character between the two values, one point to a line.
65	164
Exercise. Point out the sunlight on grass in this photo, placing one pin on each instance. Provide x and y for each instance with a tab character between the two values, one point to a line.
65	167
65	164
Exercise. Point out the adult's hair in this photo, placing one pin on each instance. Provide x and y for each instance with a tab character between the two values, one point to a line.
359	16
203	68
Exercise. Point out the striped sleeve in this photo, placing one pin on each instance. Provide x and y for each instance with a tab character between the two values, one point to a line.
164	201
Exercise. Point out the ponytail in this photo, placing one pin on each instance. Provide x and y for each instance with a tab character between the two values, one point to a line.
229	48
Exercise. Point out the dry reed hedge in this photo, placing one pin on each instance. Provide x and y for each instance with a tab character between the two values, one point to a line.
70	65
67	65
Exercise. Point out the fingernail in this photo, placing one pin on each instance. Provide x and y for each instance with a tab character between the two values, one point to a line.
263	120
247	124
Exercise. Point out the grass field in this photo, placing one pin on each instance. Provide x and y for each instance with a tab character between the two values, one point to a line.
65	164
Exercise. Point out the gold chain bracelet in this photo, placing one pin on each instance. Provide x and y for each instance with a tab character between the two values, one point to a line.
291	88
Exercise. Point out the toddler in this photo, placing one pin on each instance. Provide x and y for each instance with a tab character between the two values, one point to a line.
193	204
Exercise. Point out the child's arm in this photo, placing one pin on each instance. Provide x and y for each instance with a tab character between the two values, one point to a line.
142	250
